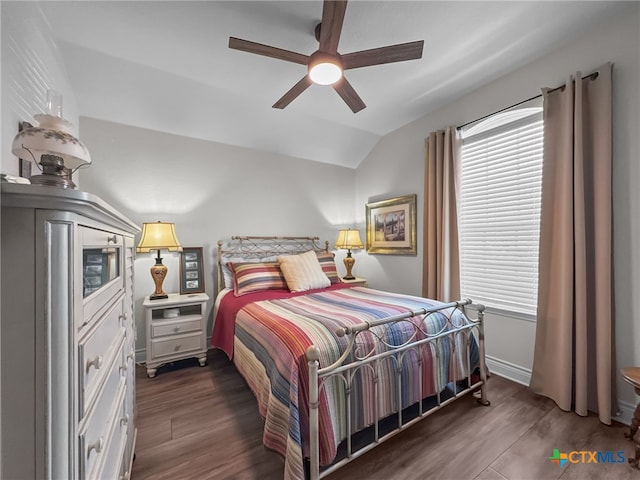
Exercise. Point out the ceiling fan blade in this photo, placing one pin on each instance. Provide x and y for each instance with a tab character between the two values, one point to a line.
293	92
331	26
349	95
267	51
378	56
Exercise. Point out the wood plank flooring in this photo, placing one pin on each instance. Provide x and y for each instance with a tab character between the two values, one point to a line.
203	423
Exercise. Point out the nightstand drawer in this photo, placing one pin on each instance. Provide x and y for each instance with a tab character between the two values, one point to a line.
176	345
164	328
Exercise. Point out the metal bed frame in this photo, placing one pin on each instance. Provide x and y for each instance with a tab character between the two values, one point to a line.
345	371
355	358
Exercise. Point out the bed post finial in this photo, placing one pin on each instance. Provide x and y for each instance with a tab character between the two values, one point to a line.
313	357
483	366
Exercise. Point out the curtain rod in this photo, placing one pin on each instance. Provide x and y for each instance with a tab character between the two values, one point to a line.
592	76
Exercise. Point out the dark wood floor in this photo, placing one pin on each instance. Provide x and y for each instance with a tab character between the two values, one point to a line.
203	423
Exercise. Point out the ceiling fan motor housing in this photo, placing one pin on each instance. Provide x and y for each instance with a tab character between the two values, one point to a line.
330	66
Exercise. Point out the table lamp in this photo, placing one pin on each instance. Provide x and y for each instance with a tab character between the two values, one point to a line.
348	239
158	236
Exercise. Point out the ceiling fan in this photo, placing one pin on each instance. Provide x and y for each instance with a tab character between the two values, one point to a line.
325	66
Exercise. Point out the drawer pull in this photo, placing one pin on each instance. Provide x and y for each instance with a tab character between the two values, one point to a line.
177	347
130	357
123	369
124	420
176	329
96	363
97	446
112	238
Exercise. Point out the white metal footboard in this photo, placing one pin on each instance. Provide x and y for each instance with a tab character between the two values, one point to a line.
345	370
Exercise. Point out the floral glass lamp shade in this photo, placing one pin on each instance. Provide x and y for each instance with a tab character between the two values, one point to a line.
349	239
158	236
51	146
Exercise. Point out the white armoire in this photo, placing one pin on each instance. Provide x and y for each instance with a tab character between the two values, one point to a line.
67	336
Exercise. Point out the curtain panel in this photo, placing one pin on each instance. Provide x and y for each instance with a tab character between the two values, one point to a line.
574	355
441	263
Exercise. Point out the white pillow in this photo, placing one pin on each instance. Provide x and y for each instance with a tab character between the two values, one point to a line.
303	272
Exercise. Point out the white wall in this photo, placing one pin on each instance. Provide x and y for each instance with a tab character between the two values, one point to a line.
211	191
396	167
31	65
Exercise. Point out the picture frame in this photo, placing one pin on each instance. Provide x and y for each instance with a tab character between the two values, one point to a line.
391	226
191	270
25	168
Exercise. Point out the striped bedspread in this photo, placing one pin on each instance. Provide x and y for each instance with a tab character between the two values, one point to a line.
271	338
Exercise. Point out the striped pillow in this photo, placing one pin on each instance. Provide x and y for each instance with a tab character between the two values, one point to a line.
254	277
328	264
303	272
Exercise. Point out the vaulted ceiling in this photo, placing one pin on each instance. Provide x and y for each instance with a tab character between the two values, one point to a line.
166	65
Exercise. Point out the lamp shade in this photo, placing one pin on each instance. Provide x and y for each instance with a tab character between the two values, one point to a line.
52	137
158	236
348	239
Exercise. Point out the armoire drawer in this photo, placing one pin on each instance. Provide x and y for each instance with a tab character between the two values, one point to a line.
96	352
102	270
96	436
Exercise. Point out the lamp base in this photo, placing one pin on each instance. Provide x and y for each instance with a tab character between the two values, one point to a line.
54	173
348	263
158	272
159	296
50	180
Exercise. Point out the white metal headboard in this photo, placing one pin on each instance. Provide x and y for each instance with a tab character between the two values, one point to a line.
253	248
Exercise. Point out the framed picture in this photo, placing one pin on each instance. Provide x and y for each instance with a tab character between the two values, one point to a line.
391	226
25	168
191	270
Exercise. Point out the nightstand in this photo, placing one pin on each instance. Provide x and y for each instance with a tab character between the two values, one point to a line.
356	282
176	329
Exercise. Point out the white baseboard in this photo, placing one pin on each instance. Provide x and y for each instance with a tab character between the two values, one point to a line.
626	412
509	370
522	376
141	356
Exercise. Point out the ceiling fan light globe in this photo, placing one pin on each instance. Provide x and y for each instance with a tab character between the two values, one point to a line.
325	73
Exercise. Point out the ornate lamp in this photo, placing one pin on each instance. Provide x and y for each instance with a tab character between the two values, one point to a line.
51	146
348	239
158	236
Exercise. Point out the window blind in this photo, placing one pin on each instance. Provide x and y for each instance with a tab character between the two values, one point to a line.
499	211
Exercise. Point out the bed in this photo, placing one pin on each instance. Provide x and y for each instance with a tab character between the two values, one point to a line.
337	369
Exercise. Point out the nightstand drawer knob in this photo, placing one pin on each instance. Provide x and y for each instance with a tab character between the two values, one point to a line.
177	347
96	363
97	446
176	329
124	420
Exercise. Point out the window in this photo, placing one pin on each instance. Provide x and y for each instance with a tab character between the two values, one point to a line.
500	186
